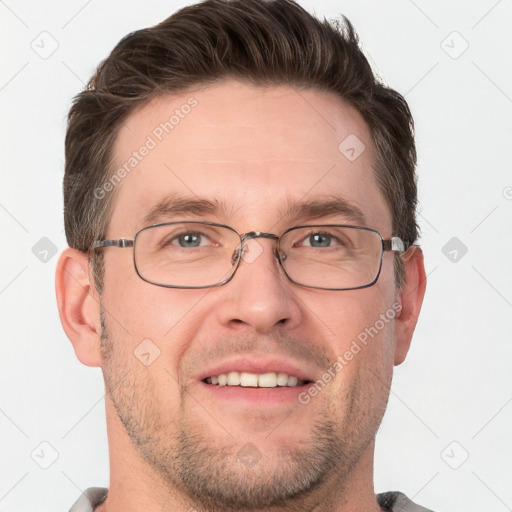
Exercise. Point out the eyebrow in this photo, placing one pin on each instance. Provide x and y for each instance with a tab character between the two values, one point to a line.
329	207
175	205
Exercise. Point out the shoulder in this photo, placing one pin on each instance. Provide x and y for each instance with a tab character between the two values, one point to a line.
89	499
398	502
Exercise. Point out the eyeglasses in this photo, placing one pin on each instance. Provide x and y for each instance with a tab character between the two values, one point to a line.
207	254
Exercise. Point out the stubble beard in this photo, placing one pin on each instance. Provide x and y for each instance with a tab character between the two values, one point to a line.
224	479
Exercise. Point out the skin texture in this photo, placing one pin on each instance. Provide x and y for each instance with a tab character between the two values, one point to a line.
173	444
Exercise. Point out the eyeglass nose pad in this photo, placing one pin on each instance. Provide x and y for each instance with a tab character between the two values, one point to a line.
237	254
280	255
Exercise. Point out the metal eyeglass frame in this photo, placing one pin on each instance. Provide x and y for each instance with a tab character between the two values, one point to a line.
394	244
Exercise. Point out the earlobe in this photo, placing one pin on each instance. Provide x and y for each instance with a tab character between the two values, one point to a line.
79	309
411	299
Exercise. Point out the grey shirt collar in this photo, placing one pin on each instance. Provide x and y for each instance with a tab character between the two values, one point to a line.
389	501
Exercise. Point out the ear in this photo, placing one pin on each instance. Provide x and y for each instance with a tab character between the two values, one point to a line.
410	298
78	304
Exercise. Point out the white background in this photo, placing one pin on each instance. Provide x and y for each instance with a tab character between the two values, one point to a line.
456	383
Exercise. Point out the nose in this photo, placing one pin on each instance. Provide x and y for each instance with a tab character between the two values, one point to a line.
259	297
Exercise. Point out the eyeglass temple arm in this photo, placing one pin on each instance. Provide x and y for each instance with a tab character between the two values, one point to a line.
121	242
395	244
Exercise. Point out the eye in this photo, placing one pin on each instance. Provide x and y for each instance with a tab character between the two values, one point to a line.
188	240
320	239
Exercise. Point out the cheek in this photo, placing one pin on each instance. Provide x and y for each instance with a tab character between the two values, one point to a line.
151	328
140	376
360	332
348	316
145	311
360	391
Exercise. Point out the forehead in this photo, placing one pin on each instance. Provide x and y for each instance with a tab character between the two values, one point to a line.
248	150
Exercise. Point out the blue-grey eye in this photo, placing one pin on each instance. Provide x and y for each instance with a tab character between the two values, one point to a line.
190	240
320	240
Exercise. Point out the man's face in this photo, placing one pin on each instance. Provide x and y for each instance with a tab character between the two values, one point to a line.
254	153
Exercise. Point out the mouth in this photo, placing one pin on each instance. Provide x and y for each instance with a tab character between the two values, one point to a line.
256	380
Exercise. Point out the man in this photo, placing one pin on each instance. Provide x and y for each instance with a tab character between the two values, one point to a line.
240	208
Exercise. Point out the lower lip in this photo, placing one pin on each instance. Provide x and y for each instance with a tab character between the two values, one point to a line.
256	396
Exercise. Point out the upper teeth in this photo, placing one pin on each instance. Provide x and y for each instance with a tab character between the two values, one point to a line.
262	380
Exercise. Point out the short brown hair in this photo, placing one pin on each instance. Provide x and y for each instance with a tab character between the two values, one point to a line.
262	42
